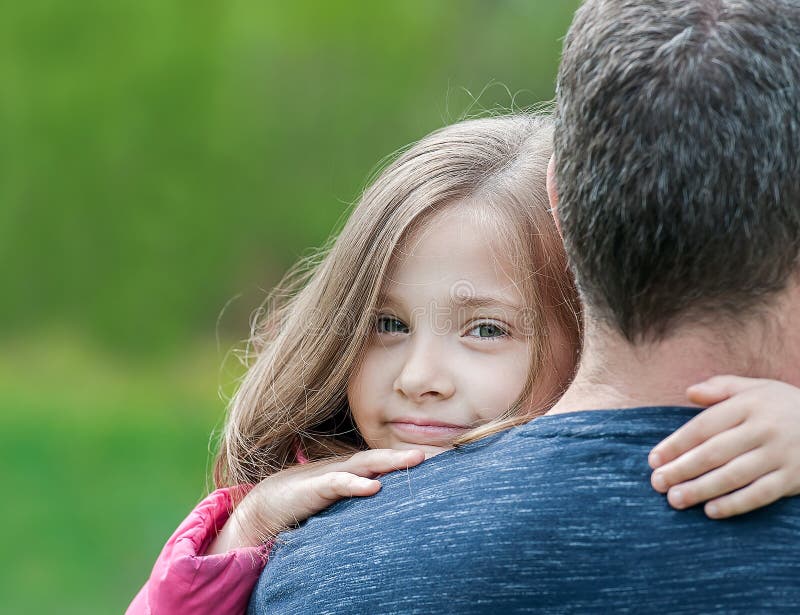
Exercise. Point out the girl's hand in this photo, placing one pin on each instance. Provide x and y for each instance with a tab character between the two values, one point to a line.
286	498
746	445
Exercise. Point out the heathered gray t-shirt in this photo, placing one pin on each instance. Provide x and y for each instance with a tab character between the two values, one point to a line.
556	516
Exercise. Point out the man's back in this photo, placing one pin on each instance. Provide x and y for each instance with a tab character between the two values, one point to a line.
555	516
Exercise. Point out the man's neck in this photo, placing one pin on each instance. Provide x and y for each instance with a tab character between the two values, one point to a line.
616	374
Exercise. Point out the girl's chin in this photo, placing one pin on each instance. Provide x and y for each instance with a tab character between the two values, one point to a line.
434	451
429	449
400	444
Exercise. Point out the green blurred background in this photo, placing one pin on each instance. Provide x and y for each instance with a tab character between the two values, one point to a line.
161	164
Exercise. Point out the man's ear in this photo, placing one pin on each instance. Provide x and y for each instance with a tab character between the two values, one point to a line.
552	191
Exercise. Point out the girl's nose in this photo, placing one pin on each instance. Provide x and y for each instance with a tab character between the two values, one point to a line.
424	375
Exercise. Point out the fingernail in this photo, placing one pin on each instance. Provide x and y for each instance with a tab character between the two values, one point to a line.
655	460
659	482
676	498
712	510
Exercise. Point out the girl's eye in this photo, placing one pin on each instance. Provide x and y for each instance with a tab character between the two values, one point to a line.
487	330
387	324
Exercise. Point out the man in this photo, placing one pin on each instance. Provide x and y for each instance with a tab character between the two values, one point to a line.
677	187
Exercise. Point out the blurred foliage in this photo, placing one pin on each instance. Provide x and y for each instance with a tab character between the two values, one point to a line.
100	460
160	160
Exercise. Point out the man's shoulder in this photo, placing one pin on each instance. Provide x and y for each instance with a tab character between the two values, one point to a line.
646	421
541	459
508	514
544	446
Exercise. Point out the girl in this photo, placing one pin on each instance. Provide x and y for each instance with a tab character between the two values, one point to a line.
442	312
444	305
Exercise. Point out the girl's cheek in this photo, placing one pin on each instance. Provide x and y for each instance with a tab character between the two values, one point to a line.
495	383
517	373
366	387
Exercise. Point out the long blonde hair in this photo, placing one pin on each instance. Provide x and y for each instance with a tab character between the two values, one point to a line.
321	316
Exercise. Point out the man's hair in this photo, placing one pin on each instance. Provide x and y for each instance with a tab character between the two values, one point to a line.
677	151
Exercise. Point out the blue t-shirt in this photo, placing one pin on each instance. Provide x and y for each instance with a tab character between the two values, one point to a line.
556	516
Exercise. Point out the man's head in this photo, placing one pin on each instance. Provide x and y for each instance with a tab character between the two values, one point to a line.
677	154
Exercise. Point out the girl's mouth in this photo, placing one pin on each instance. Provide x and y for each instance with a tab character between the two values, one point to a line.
427	431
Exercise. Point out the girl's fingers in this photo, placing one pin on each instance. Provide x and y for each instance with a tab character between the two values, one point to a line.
296	496
711	454
379	461
762	492
740	472
719	388
334	486
708	423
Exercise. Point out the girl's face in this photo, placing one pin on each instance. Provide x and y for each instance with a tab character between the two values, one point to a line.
450	350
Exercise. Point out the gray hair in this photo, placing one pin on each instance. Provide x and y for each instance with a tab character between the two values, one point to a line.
677	150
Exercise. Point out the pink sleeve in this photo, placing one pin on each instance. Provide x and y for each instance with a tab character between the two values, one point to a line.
182	581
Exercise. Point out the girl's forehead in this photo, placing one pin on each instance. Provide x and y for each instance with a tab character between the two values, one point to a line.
457	248
450	229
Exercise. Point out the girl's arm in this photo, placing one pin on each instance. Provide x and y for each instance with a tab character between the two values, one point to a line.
740	454
282	500
213	561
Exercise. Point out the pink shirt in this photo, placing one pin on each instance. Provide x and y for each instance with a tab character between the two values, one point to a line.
185	581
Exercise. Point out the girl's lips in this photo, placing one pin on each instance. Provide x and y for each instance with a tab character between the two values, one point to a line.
433	433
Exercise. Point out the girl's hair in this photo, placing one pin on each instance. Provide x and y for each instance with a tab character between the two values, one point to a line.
323	313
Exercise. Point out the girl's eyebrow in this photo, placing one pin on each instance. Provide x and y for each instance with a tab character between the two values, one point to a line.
470	302
481	301
387	301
